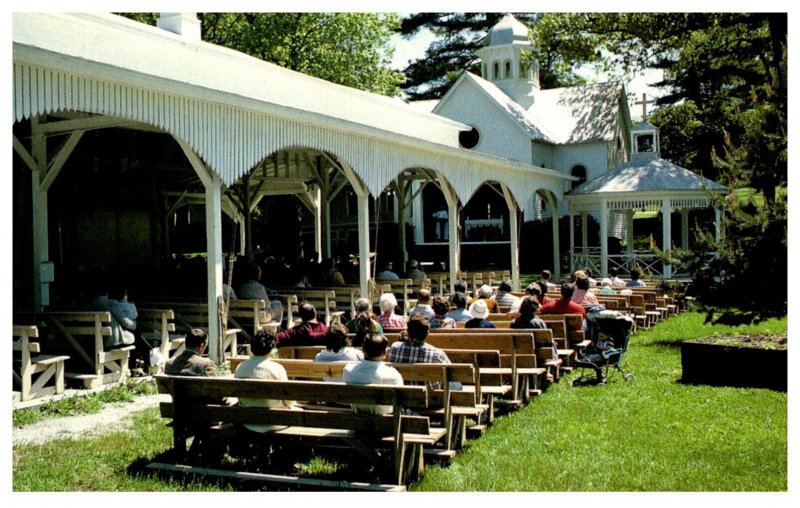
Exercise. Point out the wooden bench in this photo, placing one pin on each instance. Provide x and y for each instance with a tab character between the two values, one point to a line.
447	405
158	328
324	301
193	413
520	366
32	374
573	326
80	335
195	315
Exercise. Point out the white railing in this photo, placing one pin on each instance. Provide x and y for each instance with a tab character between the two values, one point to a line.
646	261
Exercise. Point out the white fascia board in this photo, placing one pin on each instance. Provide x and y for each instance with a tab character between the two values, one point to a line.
126	45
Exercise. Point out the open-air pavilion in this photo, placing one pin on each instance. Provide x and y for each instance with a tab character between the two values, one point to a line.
237	121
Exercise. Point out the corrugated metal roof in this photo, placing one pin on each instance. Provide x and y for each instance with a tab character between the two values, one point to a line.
645	176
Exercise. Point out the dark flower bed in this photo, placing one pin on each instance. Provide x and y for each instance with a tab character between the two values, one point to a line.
760	341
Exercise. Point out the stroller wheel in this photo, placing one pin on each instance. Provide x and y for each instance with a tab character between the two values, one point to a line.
628	377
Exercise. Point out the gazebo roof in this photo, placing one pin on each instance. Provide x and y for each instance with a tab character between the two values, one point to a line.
647	175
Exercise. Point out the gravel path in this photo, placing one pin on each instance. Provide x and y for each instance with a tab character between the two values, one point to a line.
111	418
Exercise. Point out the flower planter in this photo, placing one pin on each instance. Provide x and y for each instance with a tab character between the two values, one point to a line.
727	365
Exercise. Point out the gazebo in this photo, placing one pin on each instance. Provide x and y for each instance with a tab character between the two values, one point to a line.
646	183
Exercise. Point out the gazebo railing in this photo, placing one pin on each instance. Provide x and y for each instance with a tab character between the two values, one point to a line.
647	261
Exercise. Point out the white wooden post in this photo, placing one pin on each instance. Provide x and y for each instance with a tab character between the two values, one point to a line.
571	240
584	232
39	202
316	196
400	216
629	232
666	234
513	236
362	196
454	242
604	238
556	239
214	263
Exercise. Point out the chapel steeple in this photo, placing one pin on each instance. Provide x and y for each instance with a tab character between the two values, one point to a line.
503	63
645	143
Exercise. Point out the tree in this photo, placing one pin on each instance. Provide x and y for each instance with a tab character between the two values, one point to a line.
347	48
559	50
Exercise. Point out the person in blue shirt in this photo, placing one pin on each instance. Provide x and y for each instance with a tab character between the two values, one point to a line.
635	281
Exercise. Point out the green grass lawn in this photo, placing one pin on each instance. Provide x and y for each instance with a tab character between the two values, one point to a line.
649	434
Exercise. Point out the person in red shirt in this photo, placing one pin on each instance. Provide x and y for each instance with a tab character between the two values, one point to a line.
309	333
564	305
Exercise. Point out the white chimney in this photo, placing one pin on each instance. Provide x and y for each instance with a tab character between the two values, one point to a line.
185	24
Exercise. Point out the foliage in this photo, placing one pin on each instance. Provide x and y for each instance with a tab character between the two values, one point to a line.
559	50
348	48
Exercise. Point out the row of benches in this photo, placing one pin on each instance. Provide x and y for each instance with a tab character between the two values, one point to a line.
493	367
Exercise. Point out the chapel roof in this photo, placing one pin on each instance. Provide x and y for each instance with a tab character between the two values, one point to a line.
508	30
646	175
576	114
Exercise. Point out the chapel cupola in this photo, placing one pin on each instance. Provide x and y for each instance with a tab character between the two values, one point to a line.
506	60
645	143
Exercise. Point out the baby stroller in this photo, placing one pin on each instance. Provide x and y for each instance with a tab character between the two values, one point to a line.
609	332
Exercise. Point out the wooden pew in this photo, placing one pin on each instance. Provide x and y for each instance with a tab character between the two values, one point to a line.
32	373
573	325
80	336
519	347
195	315
158	327
193	414
323	300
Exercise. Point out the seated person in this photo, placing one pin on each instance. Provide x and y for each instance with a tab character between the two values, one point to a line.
460	286
387	273
527	318
504	298
485	294
331	276
460	313
414	349
615	280
259	366
308	333
479	312
338	346
372	370
388	318
606	288
564	305
440	307
192	362
252	288
362	305
414	272
363	327
423	303
635	281
533	289
582	295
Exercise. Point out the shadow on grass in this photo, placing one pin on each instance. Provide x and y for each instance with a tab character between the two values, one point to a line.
284	466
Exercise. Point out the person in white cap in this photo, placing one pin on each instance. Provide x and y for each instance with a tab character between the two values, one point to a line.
479	312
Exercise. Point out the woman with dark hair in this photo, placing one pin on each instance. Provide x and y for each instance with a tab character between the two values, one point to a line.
338	346
364	326
441	307
527	318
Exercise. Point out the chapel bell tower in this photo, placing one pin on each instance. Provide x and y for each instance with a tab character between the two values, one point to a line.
503	63
645	143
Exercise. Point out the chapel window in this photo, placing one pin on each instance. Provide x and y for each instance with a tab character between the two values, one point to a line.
496	70
580	172
508	69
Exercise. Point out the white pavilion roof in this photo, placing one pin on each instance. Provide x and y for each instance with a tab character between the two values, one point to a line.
233	109
646	175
